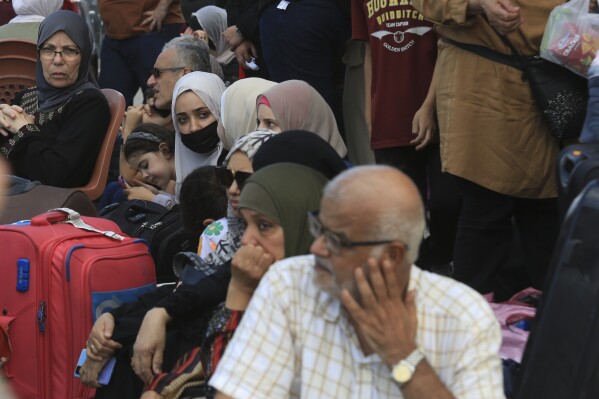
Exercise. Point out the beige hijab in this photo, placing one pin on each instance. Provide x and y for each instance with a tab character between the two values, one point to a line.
238	108
297	105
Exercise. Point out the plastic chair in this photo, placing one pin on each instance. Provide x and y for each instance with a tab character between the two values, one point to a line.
19	47
18	59
97	183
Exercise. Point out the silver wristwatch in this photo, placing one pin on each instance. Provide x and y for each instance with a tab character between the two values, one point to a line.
403	371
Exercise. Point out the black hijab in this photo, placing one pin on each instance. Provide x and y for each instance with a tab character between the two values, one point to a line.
300	147
50	97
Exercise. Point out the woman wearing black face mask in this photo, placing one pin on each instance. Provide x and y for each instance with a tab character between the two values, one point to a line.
196	115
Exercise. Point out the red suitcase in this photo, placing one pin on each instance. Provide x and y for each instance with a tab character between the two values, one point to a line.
56	277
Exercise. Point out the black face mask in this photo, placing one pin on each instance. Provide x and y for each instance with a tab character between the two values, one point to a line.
202	141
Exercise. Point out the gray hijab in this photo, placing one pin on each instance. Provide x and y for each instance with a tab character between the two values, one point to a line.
213	21
48	96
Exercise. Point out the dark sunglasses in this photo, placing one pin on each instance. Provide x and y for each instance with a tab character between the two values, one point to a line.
226	177
157	71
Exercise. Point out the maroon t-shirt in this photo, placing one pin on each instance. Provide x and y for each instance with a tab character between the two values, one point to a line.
404	50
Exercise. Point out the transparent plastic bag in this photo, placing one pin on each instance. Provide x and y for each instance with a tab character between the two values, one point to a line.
571	36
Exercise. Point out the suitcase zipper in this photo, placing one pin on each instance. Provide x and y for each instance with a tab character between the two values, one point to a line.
41	318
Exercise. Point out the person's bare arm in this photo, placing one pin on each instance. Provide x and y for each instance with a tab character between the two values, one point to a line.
245	52
148	349
424	124
156	16
133	118
386	318
232	37
368	87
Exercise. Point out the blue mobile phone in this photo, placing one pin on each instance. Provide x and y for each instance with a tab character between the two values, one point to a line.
105	374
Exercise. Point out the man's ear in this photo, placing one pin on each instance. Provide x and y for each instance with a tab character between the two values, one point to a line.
208	222
186	70
396	252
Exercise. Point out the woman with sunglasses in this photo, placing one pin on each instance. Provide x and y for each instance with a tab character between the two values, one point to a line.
54	131
274	207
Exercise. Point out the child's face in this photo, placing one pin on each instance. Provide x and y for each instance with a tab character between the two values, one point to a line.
155	167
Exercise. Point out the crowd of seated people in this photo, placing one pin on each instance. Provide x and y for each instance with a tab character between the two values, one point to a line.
307	278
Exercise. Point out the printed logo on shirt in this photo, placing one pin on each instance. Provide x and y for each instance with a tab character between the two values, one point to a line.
396	32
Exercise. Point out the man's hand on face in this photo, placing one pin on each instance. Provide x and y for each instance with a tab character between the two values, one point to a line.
384	317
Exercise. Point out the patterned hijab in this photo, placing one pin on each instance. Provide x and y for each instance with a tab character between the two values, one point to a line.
285	193
209	88
238	108
48	96
297	105
227	247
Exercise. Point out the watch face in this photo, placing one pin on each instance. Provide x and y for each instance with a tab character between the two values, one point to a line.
402	373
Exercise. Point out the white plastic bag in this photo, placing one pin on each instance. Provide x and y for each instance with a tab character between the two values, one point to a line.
571	36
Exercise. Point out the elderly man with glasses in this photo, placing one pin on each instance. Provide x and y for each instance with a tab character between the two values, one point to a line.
356	318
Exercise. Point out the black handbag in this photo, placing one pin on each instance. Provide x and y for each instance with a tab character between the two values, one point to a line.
160	227
560	95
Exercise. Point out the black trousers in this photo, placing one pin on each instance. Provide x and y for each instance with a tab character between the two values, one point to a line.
439	194
485	231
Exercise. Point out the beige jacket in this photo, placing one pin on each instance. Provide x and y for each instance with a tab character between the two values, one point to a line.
491	131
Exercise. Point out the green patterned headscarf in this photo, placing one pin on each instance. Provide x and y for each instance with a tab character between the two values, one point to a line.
286	192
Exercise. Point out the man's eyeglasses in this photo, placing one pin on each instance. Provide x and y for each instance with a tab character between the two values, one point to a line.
157	71
226	177
336	243
67	54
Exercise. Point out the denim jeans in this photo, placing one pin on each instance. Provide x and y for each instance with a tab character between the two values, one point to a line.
125	64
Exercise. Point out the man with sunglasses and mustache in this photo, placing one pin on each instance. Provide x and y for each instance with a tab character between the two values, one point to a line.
180	56
356	319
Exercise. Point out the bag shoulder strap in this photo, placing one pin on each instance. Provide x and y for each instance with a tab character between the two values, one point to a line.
487	53
74	219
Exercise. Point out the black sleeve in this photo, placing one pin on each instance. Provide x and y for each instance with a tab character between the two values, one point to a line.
245	18
234	10
129	316
191	301
70	160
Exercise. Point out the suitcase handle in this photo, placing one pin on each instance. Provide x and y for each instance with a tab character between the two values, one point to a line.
66	215
48	218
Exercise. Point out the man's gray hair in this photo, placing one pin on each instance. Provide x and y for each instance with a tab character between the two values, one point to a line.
190	52
394	224
395	219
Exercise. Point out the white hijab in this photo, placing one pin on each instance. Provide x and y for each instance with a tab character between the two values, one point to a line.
209	88
34	10
238	108
213	21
